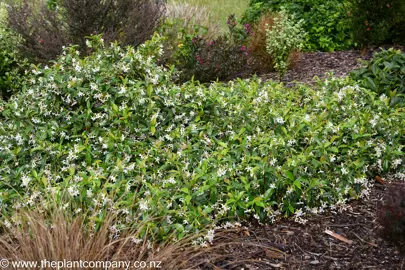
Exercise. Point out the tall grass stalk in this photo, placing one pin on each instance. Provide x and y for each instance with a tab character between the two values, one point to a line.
220	10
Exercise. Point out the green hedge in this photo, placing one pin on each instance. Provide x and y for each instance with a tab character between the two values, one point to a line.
375	22
385	75
325	21
12	64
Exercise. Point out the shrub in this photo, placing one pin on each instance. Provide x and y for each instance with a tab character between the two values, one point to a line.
181	42
385	75
284	38
111	130
220	59
196	53
47	26
377	21
11	63
324	21
391	215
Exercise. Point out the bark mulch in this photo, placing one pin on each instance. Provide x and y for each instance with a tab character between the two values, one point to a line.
311	64
289	245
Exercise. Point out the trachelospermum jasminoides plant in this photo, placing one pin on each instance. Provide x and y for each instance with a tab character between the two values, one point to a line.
111	130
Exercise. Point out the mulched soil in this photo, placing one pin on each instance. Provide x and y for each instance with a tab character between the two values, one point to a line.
311	64
289	245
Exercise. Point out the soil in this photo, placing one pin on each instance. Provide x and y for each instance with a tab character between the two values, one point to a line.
311	64
289	245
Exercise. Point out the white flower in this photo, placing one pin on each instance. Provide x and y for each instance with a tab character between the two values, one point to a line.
344	171
123	90
125	69
136	240
73	191
221	172
143	205
210	236
88	43
89	193
396	162
373	122
25	180
280	120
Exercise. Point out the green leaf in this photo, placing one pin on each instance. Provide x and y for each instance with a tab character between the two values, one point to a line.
333	149
179	227
222	144
153	130
290	175
185	190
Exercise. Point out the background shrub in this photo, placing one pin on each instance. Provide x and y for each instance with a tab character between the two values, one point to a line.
197	53
375	22
324	21
47	26
181	42
12	65
283	39
385	75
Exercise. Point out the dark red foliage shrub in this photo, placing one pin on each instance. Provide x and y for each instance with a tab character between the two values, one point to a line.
391	215
47	27
220	59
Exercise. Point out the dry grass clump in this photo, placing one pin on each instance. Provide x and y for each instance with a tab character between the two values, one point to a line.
191	15
258	40
58	237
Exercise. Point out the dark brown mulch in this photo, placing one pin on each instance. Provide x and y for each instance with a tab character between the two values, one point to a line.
289	245
311	64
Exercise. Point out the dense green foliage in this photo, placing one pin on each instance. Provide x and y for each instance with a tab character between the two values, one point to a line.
377	21
324	20
385	75
283	38
111	130
11	64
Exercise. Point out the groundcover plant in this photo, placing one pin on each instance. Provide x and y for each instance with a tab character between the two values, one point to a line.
111	131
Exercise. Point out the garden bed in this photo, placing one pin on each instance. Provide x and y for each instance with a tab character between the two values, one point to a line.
311	64
294	246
